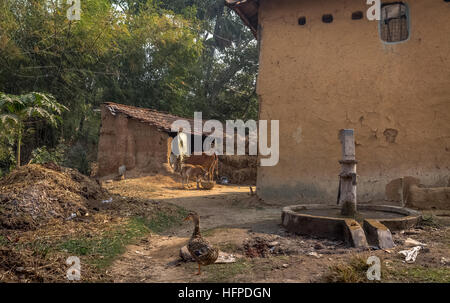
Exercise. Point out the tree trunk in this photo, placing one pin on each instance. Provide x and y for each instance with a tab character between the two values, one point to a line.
19	143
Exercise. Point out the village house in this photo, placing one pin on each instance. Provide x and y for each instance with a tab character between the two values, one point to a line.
324	66
142	141
137	138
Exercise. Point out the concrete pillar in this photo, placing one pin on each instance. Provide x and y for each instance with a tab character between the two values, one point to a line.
347	197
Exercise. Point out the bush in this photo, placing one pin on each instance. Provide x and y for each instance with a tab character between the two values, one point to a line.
7	159
76	157
43	155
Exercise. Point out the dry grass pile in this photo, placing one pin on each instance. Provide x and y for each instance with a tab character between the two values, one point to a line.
238	169
23	266
33	194
40	255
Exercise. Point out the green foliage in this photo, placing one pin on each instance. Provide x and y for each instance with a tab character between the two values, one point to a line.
420	274
43	155
103	249
429	221
3	240
178	56
7	159
18	113
163	221
76	157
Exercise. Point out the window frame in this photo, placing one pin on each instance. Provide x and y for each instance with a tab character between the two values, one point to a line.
408	22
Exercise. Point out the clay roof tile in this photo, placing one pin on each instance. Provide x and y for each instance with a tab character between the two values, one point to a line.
162	120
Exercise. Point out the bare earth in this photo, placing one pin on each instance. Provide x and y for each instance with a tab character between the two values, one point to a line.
234	221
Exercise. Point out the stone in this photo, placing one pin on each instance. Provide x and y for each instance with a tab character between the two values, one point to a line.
398	189
224	258
314	254
378	234
393	190
429	198
412	242
354	234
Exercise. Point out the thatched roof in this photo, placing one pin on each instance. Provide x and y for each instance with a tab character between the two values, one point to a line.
161	120
248	11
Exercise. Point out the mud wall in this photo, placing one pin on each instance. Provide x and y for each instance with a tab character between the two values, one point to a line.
125	141
322	77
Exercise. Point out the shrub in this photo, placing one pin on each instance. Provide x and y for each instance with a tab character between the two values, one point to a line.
43	155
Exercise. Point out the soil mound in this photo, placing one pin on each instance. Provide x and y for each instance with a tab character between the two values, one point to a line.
33	194
257	247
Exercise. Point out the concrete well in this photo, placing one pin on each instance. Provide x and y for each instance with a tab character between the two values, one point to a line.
372	226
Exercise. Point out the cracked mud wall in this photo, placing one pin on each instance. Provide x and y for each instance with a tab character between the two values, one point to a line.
322	77
125	141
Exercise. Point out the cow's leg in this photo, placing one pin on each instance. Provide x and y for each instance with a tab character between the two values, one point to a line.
187	181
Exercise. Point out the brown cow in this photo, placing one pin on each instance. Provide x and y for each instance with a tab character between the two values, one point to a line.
208	162
192	171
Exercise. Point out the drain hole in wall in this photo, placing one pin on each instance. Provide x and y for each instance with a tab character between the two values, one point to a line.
357	15
327	18
302	21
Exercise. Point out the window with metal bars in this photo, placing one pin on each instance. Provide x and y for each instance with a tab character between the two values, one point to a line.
394	22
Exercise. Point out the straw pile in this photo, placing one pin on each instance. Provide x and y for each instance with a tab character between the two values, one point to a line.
33	194
238	169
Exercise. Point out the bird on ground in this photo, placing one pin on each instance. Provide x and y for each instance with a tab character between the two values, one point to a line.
200	249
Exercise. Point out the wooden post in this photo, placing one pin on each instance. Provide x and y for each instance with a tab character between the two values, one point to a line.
347	176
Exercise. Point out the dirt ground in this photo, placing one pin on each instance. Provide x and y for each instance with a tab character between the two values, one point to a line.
242	225
132	231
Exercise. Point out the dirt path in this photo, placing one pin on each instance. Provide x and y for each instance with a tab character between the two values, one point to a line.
238	223
223	206
156	259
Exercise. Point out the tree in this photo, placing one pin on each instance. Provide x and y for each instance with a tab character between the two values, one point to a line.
18	113
224	79
178	56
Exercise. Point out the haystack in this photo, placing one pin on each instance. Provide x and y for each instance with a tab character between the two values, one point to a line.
238	169
33	194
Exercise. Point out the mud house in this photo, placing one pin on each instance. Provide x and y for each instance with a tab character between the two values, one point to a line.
139	138
325	66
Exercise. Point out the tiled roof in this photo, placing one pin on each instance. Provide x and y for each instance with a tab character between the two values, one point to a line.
161	120
248	11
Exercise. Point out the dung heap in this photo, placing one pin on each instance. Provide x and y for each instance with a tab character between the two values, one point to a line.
33	194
